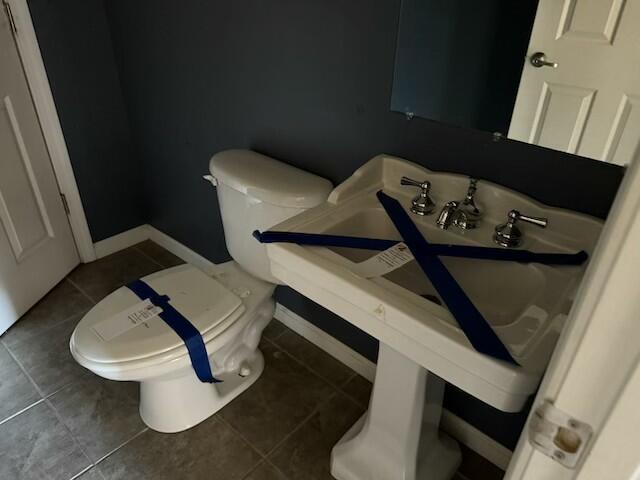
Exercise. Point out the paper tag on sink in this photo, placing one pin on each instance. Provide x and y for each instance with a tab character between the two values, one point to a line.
124	321
384	262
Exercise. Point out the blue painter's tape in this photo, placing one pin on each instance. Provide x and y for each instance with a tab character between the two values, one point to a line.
473	324
183	327
462	251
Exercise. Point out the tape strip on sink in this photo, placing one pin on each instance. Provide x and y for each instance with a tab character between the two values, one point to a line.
471	321
445	250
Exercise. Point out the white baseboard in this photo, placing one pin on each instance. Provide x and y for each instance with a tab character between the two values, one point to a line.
181	250
144	232
456	427
121	241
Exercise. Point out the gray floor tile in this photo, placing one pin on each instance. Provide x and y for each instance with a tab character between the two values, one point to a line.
359	388
60	304
98	279
159	254
284	396
35	445
101	414
274	330
265	472
210	450
313	357
16	390
306	454
47	360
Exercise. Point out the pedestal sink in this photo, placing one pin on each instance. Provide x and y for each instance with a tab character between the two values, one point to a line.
421	345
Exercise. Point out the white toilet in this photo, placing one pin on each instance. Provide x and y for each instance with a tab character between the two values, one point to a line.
230	309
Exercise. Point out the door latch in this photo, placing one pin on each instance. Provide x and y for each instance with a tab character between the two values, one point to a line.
559	435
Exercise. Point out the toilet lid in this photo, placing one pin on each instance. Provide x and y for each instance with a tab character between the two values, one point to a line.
202	300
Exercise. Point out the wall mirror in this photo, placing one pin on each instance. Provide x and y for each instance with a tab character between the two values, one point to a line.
560	74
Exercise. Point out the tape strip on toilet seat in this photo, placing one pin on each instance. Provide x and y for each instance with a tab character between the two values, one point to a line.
182	326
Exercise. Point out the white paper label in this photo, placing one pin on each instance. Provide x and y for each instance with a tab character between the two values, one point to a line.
385	262
124	321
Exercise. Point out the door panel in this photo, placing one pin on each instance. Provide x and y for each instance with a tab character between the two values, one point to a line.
36	244
561	115
590	20
22	210
588	104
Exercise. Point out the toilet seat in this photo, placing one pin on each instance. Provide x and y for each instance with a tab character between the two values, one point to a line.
205	302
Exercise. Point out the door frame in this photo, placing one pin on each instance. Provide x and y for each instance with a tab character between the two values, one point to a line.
29	51
595	365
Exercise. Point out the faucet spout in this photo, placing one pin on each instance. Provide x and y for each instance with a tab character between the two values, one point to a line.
447	214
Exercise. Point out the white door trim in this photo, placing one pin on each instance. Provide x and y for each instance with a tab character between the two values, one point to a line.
596	355
38	81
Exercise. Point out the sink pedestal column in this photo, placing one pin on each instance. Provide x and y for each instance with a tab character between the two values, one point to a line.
398	437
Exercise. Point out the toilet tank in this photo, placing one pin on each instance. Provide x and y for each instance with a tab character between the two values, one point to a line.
256	192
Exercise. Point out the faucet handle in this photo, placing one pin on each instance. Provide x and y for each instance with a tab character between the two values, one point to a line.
421	203
509	235
425	185
539	221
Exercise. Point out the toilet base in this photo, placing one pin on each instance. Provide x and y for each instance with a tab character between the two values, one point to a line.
174	405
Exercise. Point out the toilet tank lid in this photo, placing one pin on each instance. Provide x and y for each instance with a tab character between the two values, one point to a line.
269	180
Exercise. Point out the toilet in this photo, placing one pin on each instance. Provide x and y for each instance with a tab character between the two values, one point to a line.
230	308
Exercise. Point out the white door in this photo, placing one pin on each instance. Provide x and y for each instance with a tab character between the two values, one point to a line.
36	245
590	103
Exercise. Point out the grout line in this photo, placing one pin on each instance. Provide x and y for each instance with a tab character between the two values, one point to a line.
149	257
81	290
284	330
66	427
301	424
255	467
82	472
43	331
19	412
104	457
263	458
275	467
300	362
237	432
339	388
24	370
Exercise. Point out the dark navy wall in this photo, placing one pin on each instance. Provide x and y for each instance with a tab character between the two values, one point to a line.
76	47
308	82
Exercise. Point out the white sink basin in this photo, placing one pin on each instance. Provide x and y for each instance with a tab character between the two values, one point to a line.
526	304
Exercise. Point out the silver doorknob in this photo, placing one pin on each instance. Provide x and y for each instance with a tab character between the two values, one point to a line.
539	59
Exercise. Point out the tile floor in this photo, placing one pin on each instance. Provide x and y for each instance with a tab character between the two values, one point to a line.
58	421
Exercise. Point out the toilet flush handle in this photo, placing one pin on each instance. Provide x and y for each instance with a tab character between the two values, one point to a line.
210	178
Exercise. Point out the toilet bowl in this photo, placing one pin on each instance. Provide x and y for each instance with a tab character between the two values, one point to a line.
230	309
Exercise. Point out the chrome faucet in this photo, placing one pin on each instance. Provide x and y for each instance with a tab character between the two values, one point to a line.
464	214
448	212
509	235
421	203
